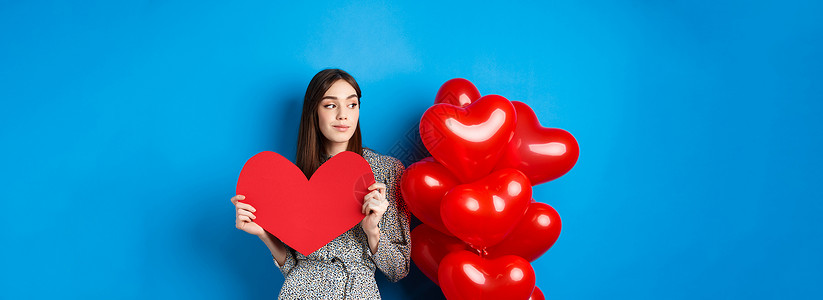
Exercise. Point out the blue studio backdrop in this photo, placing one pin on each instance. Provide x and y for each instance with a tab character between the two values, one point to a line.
125	125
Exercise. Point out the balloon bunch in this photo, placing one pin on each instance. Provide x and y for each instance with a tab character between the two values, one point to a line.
481	227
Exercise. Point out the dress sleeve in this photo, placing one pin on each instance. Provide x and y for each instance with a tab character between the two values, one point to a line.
394	247
288	264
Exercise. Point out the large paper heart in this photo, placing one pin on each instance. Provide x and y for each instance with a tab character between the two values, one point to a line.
464	275
423	185
533	236
306	214
430	246
543	154
482	213
458	92
468	140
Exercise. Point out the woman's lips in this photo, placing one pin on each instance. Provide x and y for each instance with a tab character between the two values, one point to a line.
341	127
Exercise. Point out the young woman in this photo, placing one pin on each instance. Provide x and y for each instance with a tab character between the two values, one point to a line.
343	268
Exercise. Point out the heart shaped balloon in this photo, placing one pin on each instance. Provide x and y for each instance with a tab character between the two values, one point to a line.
464	275
534	234
423	185
543	154
468	140
458	91
430	246
306	214
482	213
537	294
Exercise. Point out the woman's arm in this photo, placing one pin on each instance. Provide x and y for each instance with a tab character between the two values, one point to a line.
276	247
281	254
374	240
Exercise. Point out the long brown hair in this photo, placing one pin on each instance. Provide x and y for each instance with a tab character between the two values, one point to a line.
310	141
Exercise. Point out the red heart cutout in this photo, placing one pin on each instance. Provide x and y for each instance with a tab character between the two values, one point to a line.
533	236
306	214
482	213
458	92
464	275
468	141
430	246
543	154
423	185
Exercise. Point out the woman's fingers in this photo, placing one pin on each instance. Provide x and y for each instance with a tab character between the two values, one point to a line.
243	212
374	204
237	198
244	215
373	194
379	186
369	207
242	224
370	198
376	195
246	206
366	203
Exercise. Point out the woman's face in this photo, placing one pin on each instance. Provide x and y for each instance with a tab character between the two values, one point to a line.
338	113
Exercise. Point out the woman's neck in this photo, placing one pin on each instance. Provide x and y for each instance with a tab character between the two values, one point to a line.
333	149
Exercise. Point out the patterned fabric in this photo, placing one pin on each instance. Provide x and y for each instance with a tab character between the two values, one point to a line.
344	268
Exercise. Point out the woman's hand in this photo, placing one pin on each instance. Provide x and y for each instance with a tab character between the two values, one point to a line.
244	221
244	217
374	206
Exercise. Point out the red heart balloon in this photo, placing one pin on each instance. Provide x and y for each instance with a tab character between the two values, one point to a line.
458	92
306	214
537	294
464	275
482	213
533	236
543	154
430	246
423	185
468	141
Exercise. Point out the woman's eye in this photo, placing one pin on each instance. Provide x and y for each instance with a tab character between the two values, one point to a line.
352	105
329	106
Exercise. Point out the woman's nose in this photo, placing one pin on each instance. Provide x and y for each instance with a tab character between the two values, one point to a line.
341	115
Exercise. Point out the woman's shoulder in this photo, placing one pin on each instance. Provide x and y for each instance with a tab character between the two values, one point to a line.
381	161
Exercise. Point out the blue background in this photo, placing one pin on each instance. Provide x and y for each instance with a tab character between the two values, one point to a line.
125	124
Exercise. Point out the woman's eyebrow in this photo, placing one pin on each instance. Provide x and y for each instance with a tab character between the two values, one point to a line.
335	98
